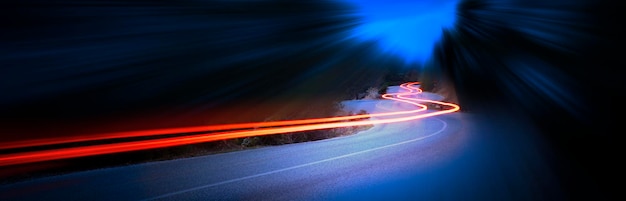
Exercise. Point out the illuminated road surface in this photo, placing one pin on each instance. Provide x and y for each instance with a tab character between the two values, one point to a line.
453	156
220	132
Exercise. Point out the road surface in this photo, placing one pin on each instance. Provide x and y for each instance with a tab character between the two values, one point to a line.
455	156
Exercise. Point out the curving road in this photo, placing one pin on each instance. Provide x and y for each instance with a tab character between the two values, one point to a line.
216	132
453	156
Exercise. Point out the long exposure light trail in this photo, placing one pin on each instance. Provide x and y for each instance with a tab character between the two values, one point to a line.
412	87
194	129
280	127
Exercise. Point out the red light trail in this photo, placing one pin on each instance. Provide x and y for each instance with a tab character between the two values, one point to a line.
155	132
215	132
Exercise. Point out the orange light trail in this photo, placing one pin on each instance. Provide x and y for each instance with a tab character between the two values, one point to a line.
247	130
165	131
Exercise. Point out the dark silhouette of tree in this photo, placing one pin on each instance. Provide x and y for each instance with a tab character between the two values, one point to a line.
552	62
188	62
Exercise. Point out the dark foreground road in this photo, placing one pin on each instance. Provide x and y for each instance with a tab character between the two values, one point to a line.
455	156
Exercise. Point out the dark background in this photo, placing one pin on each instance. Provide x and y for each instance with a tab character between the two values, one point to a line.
69	67
555	63
97	66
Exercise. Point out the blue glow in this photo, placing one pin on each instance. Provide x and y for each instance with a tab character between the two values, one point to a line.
407	28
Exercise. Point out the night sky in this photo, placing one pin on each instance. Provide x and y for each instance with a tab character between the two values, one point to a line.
405	28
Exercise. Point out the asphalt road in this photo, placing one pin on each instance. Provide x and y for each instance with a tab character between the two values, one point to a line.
456	156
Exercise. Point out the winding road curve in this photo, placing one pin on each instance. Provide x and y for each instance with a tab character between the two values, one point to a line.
452	156
215	132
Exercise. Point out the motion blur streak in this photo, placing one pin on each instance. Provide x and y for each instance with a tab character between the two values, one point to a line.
155	132
36	156
406	28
